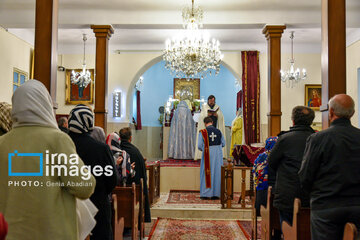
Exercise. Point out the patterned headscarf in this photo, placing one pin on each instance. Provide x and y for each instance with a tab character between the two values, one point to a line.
270	143
260	168
5	116
81	119
113	140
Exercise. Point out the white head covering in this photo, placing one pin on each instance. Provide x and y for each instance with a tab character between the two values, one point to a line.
98	134
32	105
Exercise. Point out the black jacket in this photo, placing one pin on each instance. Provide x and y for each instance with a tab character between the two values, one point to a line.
140	172
330	170
94	153
284	163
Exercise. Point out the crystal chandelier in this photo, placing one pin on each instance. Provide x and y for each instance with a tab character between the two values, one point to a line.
292	76
83	78
192	54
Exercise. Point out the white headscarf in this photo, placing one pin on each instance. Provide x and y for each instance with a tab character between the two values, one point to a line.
32	105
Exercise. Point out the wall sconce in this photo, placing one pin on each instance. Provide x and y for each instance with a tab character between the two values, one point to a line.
117	104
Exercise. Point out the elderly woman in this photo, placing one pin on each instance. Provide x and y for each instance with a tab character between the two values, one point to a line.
260	171
94	154
47	210
124	167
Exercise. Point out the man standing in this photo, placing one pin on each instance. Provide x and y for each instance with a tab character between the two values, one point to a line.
330	172
140	168
285	161
182	133
212	110
211	142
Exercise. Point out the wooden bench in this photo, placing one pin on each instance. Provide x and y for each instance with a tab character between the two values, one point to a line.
128	208
117	222
270	220
350	232
141	200
300	228
154	182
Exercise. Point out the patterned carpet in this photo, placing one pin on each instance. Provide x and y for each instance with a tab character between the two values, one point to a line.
179	163
176	229
193	197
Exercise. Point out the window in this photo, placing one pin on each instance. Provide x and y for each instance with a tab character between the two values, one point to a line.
19	78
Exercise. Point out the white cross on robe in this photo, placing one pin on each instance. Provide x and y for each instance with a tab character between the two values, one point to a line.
212	136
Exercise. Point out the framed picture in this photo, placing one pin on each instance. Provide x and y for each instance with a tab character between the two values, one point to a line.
187	88
313	96
79	93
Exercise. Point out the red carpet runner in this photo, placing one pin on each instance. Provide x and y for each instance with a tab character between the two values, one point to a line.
176	229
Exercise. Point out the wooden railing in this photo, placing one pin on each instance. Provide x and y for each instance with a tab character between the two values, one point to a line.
227	185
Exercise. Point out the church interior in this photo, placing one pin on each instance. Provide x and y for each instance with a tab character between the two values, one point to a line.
124	46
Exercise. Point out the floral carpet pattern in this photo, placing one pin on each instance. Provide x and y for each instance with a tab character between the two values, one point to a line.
176	229
193	197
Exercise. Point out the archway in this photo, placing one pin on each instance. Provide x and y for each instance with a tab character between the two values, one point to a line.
147	66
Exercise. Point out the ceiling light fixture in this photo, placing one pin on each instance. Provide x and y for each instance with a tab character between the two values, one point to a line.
292	77
83	78
192	54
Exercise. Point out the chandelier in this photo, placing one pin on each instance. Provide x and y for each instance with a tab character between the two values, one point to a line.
192	54
83	78
292	77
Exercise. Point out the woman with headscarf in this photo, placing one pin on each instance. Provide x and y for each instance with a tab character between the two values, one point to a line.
94	154
98	134
5	118
40	211
260	171
122	160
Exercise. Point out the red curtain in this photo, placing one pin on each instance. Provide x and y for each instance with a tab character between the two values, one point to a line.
239	98
138	125
251	95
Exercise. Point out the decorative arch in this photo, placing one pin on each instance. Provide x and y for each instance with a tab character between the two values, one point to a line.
142	70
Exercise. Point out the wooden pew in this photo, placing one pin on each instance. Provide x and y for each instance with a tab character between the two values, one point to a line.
270	220
117	222
141	200
300	228
254	218
154	182
350	232
128	207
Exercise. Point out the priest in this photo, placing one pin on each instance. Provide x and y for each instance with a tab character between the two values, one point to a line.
211	142
182	133
212	110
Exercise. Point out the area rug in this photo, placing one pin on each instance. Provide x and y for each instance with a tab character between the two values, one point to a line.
193	197
176	229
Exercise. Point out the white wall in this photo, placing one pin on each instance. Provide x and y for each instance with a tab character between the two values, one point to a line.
125	69
14	53
290	97
352	65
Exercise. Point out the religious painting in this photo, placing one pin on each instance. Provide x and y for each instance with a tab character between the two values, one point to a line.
79	91
186	89
313	96
317	126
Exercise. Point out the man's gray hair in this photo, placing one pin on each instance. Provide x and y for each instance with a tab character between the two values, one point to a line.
340	110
